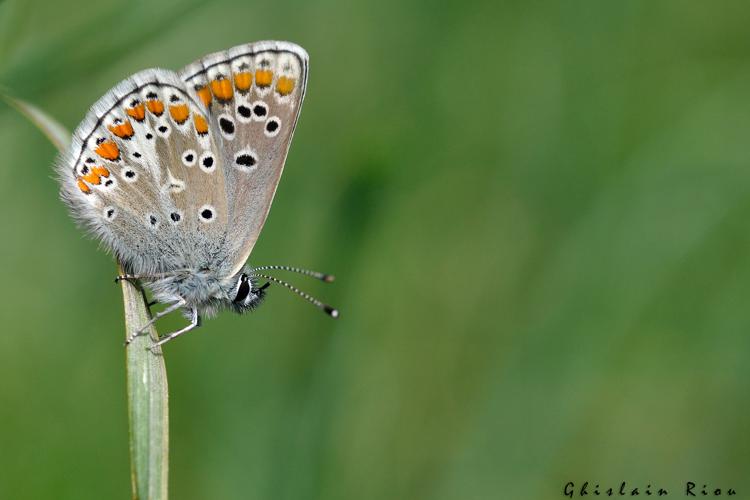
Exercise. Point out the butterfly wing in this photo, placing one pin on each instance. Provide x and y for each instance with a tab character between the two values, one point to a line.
178	171
138	175
253	94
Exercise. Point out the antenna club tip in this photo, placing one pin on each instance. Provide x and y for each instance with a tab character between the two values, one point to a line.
329	278
334	313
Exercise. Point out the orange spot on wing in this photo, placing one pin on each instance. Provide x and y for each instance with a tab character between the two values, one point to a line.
243	81
179	113
222	89
201	126
123	131
205	94
137	112
108	150
100	171
285	85
263	77
92	178
83	186
155	106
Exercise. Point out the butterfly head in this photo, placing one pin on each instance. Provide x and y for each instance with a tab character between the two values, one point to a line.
243	291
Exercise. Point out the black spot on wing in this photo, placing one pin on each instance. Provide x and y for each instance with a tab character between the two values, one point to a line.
244	111
226	125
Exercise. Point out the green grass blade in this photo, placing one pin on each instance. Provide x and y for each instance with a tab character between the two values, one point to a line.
148	402
56	133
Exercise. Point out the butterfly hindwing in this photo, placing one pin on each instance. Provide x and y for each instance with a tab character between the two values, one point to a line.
126	177
191	184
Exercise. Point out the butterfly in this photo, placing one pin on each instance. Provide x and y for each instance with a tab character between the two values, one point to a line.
174	173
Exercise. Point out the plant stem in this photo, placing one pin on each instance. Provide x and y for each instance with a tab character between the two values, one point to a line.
148	397
148	401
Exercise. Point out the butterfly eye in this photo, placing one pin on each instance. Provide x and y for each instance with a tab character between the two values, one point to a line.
243	290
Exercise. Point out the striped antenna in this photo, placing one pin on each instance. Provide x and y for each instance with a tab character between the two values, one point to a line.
328	278
334	313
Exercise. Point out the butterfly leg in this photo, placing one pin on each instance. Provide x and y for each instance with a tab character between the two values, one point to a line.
158	315
133	277
194	323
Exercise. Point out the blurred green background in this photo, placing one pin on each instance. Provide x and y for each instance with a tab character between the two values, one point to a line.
538	215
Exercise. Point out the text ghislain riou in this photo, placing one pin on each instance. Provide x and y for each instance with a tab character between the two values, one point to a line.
690	489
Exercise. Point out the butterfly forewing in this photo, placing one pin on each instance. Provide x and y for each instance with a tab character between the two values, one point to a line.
253	94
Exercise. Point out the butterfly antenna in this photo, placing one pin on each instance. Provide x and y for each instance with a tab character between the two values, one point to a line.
328	278
334	313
